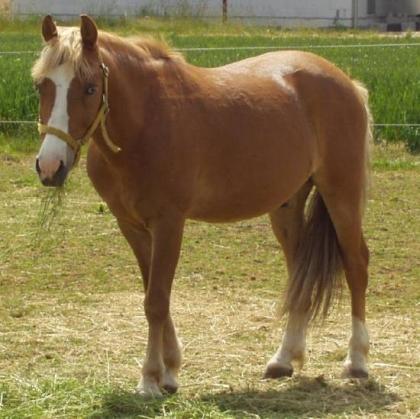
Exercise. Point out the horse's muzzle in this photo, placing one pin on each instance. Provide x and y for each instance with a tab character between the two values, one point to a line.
57	179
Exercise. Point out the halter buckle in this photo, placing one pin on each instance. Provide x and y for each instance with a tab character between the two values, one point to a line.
104	69
105	103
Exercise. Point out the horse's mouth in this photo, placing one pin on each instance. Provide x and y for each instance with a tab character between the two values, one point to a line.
57	179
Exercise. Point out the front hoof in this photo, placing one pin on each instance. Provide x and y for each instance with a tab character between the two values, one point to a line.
170	389
277	371
149	389
169	382
355	373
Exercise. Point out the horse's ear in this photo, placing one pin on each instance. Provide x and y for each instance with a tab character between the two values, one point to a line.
89	31
49	30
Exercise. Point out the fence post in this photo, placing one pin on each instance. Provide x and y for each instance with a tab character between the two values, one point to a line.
355	19
225	11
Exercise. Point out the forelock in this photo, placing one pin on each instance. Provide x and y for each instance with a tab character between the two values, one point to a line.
66	47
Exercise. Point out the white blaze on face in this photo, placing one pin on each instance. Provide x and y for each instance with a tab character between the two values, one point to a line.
53	149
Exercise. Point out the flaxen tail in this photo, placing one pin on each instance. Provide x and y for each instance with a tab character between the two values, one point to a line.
318	267
318	264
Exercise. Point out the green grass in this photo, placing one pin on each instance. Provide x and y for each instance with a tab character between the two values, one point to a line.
73	332
389	73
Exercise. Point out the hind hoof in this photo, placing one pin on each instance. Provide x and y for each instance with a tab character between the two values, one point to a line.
277	371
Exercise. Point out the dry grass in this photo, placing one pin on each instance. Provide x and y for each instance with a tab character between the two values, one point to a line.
73	331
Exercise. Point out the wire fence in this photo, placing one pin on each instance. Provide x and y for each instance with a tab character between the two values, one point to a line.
254	48
263	47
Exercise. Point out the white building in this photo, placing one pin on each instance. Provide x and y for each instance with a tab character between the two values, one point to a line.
288	13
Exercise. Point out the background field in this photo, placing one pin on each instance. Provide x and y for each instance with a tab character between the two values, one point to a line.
73	332
390	73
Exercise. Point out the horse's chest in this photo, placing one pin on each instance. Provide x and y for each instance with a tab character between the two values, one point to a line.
108	184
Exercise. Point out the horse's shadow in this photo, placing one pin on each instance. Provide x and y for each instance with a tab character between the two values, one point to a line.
301	397
307	397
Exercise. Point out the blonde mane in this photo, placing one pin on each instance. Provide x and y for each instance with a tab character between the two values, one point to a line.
67	47
156	48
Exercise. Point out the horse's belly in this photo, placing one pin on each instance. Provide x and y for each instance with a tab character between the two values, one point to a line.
249	191
234	210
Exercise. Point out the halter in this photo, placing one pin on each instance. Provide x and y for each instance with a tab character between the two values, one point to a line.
76	145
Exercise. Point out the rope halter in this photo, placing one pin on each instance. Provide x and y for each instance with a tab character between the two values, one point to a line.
76	144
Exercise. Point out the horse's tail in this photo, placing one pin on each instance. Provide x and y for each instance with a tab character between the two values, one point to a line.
363	95
317	273
317	264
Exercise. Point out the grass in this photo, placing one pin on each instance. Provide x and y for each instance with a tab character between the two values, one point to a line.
389	73
73	331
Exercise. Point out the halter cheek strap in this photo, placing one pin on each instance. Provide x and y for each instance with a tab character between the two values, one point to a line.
100	119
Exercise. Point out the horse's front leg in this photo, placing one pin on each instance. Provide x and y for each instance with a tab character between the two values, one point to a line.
163	355
140	241
172	357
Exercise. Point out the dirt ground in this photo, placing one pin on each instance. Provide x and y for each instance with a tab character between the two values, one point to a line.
73	332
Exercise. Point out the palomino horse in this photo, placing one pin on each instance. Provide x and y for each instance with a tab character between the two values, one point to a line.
214	144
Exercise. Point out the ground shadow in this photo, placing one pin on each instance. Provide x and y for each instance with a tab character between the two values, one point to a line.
119	403
299	397
307	397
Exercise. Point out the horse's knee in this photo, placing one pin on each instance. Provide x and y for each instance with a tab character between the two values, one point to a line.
156	311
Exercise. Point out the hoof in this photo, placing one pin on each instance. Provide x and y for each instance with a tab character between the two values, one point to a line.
149	394
169	383
170	389
149	390
355	373
277	371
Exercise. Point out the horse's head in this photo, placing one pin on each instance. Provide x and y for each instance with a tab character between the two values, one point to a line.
71	84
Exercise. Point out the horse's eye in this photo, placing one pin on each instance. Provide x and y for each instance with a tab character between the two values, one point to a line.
90	89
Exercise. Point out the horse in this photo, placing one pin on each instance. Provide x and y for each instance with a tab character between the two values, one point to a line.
285	133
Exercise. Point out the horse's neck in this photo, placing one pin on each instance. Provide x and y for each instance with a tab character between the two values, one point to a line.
136	84
125	97
135	80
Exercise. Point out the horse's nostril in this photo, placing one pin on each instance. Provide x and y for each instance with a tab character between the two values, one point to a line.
37	168
60	175
52	178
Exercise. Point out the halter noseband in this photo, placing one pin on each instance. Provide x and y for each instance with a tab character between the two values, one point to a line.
76	145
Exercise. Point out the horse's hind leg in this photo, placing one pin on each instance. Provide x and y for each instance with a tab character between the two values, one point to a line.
357	279
344	202
287	222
